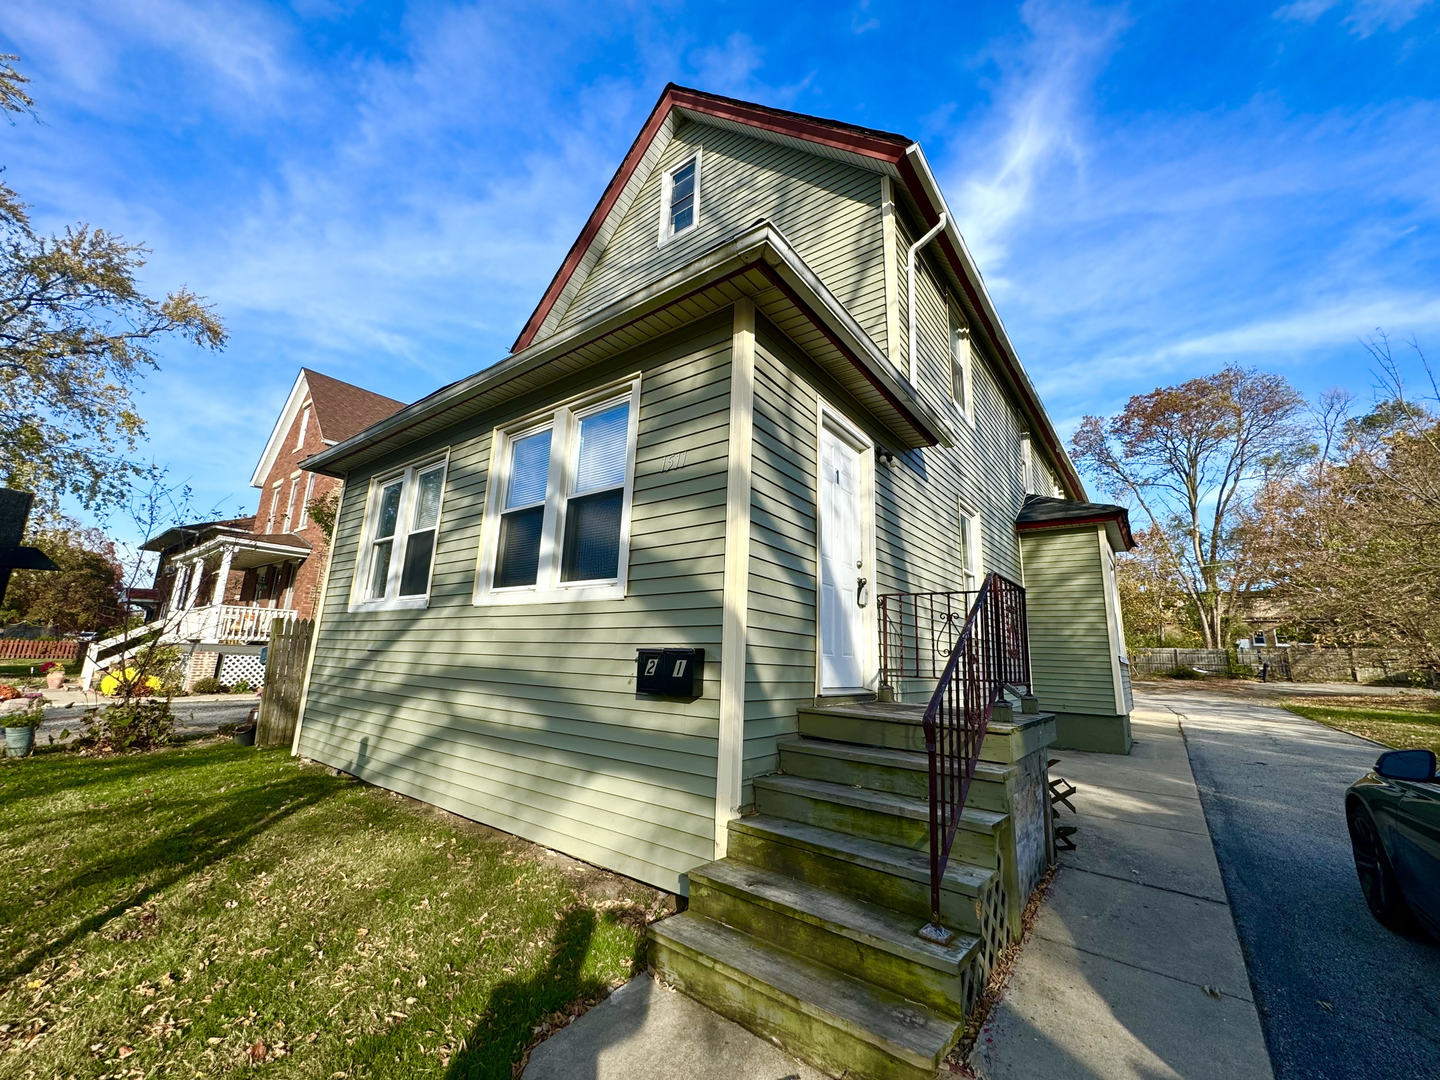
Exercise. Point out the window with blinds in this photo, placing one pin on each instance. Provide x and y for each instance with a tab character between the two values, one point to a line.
680	199
402	522
560	495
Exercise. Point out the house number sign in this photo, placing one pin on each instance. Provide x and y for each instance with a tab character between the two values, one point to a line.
669	672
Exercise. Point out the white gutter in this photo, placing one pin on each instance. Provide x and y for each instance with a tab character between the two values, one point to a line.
910	271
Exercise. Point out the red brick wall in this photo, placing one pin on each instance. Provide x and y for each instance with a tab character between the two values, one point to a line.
304	594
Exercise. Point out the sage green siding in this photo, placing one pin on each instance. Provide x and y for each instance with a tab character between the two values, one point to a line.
829	210
780	642
1070	635
525	717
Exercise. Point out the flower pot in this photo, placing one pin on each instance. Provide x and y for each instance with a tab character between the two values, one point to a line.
245	735
55	679
19	741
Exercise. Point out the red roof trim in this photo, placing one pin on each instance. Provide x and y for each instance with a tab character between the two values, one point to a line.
1119	517
877	145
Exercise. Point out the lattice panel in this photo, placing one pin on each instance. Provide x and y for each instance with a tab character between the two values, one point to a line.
993	935
237	666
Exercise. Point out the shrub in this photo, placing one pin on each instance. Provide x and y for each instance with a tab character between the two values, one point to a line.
128	683
7	692
209	685
242	686
137	724
28	716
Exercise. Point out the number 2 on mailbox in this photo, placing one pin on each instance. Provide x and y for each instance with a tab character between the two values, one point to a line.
670	672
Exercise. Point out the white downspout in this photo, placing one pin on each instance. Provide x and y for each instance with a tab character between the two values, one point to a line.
910	271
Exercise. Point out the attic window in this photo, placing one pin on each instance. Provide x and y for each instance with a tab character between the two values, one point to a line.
680	199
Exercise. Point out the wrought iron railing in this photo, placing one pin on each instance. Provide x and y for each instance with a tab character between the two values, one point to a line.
918	631
990	651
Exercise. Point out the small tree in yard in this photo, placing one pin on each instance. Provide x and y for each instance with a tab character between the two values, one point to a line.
1190	457
83	595
76	335
1352	541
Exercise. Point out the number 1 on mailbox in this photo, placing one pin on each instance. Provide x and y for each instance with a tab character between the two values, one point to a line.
670	672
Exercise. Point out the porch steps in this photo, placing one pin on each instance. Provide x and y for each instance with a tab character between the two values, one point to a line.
807	932
843	1025
876	815
897	878
835	929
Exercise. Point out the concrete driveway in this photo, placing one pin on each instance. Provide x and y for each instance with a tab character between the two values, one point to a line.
1338	995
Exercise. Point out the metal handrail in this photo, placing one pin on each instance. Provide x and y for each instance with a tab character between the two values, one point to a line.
991	653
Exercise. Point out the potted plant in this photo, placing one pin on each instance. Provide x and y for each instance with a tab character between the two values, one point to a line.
54	673
21	715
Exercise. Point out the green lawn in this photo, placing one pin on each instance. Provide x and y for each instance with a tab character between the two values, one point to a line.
1401	722
190	911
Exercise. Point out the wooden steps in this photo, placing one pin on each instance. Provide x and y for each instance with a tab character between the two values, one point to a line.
807	932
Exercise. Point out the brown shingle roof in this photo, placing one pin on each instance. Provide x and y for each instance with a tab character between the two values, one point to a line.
342	409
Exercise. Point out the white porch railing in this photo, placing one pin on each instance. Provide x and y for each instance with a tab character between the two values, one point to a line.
224	624
230	624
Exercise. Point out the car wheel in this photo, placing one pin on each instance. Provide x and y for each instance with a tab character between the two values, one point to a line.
1377	877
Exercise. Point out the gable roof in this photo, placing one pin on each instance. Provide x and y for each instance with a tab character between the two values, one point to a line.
179	534
338	409
884	152
1043	512
759	263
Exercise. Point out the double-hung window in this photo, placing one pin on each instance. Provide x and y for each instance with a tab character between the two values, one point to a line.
971	557
557	526
399	548
680	199
961	379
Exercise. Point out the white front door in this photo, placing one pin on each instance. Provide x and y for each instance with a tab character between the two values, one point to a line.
842	565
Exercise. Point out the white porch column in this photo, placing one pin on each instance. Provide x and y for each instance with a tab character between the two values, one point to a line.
197	571
226	554
176	596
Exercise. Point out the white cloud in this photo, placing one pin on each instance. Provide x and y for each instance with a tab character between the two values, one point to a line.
1040	120
1365	16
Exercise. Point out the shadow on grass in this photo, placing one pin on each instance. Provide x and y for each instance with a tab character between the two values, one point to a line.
167	859
66	770
518	1006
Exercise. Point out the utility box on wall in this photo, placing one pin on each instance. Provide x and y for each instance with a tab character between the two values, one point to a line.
670	672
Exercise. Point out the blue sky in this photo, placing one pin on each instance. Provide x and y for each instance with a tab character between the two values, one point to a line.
382	191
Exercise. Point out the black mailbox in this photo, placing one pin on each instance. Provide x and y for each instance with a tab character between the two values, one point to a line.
670	672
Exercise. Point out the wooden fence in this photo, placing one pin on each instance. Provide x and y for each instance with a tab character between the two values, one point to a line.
1164	661
29	649
284	677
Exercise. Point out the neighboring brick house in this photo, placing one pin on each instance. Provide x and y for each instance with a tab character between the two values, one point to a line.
222	583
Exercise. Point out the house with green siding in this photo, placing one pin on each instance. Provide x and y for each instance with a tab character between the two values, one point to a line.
765	434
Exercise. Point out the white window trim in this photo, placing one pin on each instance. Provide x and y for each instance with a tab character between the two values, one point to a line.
972	570
290	505
274	505
666	183
1027	464
966	368
563	421
304	425
305	501
358	582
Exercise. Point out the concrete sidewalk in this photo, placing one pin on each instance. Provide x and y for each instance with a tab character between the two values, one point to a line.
1134	968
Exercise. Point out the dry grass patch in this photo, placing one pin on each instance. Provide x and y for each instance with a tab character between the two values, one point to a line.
1402	721
204	910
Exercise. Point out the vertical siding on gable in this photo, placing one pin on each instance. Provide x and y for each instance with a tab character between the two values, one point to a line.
780	641
526	717
829	210
1069	631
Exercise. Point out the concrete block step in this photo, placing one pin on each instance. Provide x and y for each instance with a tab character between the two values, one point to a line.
881	873
901	772
900	726
861	939
839	1024
876	815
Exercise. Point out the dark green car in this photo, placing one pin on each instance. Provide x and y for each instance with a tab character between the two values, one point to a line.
1394	817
